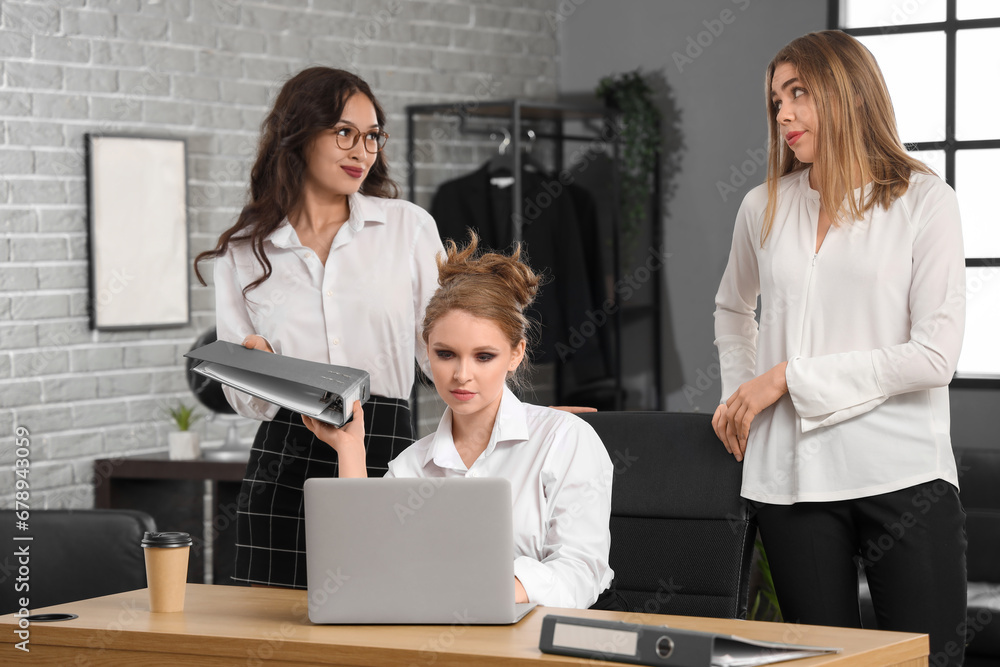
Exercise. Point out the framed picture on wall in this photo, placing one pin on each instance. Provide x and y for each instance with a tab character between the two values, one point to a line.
137	220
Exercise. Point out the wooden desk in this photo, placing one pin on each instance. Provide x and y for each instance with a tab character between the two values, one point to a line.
225	625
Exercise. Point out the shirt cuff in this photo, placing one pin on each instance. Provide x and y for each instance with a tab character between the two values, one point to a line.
270	344
819	421
537	579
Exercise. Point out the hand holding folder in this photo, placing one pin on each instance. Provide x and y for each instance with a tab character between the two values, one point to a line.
322	391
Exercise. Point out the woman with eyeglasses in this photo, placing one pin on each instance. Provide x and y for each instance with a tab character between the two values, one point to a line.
324	264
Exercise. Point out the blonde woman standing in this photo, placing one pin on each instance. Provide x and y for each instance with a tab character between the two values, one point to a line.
837	398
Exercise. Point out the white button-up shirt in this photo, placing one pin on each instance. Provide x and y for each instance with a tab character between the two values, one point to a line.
362	309
560	475
871	327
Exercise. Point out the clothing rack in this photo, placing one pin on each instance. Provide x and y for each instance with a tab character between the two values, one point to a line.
515	112
548	121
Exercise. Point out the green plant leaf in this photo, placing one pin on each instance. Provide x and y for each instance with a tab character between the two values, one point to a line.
184	416
640	135
766	590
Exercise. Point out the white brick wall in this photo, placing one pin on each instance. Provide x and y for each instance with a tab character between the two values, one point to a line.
204	70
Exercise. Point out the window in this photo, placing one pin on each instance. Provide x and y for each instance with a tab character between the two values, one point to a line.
940	59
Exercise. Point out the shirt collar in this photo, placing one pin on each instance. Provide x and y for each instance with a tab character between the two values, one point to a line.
511	425
363	209
283	236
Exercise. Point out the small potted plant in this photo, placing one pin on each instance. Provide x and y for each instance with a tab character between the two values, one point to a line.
183	443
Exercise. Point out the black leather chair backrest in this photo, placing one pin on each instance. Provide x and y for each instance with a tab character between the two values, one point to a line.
73	555
979	478
681	535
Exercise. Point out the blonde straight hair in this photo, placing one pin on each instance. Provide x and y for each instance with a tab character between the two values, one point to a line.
856	135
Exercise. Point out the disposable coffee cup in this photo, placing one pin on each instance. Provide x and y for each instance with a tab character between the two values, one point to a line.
166	569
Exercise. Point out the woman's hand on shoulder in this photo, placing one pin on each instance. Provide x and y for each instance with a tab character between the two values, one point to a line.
572	408
256	342
348	441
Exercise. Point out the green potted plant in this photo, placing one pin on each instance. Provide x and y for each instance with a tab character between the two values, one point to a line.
648	130
639	132
183	443
764	601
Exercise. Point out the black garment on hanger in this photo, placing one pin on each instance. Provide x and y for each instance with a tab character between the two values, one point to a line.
598	271
553	244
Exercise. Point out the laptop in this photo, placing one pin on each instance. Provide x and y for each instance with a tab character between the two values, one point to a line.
411	551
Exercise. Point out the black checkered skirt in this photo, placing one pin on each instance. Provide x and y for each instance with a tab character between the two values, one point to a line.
270	520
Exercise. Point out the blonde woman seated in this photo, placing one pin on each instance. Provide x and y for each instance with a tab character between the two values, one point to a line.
560	473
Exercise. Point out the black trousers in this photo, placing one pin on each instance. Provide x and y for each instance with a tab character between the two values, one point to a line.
912	545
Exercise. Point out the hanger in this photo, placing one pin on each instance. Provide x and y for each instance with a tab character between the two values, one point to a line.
503	161
527	162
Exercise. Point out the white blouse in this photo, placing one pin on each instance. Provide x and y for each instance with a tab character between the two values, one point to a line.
560	475
363	308
871	327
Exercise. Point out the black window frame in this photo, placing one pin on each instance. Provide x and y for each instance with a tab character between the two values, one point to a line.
950	145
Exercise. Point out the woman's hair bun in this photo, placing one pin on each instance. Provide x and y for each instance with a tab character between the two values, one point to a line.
489	285
467	263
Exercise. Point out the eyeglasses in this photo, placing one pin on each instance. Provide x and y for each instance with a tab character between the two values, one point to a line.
347	138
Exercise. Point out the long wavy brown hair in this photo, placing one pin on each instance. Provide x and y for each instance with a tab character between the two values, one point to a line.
309	103
856	138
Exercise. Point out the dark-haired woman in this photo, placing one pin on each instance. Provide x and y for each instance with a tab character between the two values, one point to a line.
323	264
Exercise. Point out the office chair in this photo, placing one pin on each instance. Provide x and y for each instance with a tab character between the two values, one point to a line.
979	470
681	535
73	555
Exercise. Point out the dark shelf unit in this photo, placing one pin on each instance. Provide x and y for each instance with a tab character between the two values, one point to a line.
517	116
173	493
